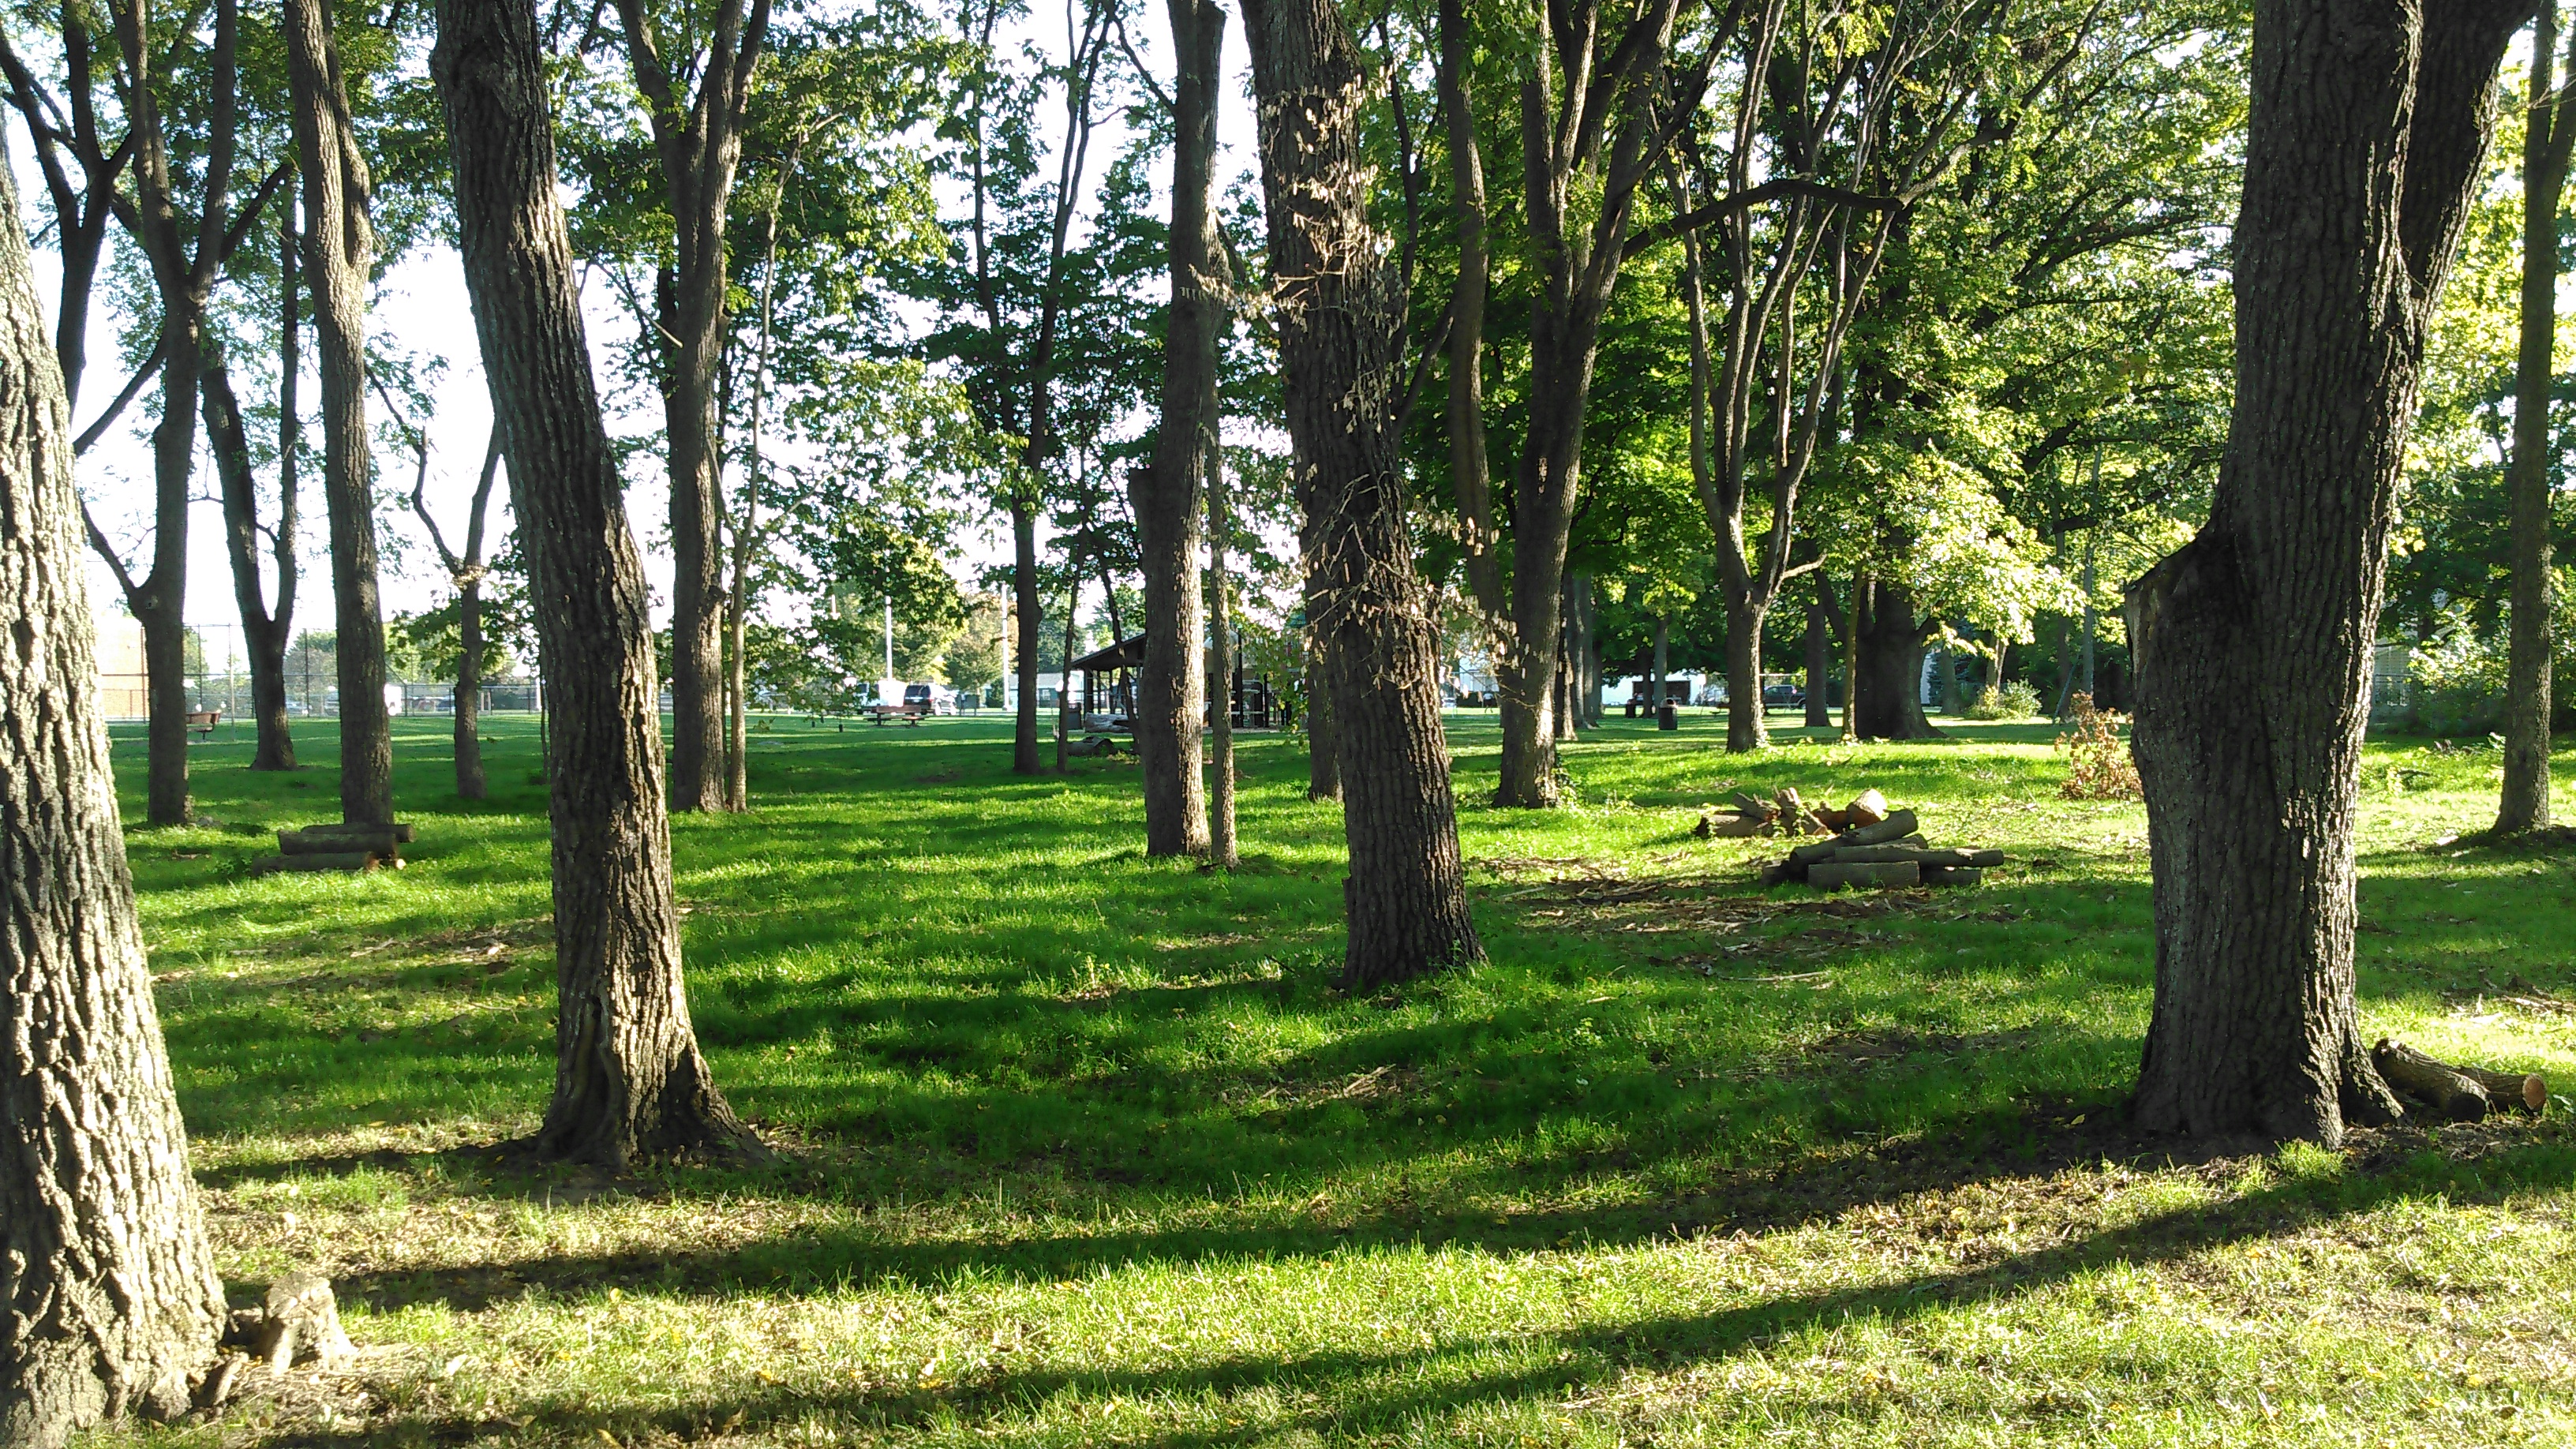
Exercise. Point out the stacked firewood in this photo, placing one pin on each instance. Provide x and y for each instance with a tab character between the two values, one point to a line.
1785	814
1887	853
2461	1094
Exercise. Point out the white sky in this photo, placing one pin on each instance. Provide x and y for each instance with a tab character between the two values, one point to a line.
421	307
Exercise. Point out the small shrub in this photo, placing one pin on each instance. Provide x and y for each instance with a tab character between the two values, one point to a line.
2016	700
2097	756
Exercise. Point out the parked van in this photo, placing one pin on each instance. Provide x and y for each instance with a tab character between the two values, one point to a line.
929	699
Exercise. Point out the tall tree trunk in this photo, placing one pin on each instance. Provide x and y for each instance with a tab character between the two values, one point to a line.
469	629
1171	699
1221	852
2368	129
183	277
1888	653
109	1299
1820	654
630	1082
1030	615
1746	726
2524	801
1323	748
1340	331
1064	677
339	252
264	634
1663	665
698	142
1464	414
266	630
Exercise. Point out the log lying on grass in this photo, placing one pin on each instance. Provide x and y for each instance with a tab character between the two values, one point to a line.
384	840
1894	828
1883	875
400	833
1883	854
2456	1091
341	860
2457	1097
1953	875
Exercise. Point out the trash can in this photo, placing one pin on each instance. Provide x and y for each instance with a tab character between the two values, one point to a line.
1668	716
1632	709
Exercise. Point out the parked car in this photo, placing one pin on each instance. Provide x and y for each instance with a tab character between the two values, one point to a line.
929	699
1783	696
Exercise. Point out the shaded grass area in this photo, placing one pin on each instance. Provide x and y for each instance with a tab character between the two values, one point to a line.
1088	1149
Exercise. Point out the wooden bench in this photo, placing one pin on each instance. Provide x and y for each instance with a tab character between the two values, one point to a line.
202	722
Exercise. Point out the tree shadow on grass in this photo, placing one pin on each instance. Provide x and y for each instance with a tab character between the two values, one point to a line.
1370	1393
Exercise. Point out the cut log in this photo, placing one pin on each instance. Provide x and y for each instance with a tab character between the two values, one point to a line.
1888	874
1873	854
400	832
1953	875
1895	827
2528	1091
1732	827
2457	1097
381	840
1869	809
1748	803
340	860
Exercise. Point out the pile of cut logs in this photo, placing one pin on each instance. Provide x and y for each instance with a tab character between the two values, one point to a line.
1785	814
336	847
2460	1094
1868	844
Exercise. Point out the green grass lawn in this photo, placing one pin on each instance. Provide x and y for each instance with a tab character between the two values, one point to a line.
1085	1148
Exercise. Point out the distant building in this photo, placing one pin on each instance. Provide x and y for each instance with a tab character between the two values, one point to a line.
2392	680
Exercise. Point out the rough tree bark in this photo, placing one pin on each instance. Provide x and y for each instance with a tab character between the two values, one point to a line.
339	252
1171	696
2524	801
698	142
1340	317
629	1079
2369	124
108	1299
1323	747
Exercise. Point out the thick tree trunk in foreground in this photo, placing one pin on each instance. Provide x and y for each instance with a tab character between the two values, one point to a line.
1887	666
2524	802
1340	327
339	250
2369	123
1171	696
1323	747
108	1295
629	1079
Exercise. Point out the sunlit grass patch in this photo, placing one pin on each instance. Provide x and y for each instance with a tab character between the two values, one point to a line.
1085	1148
